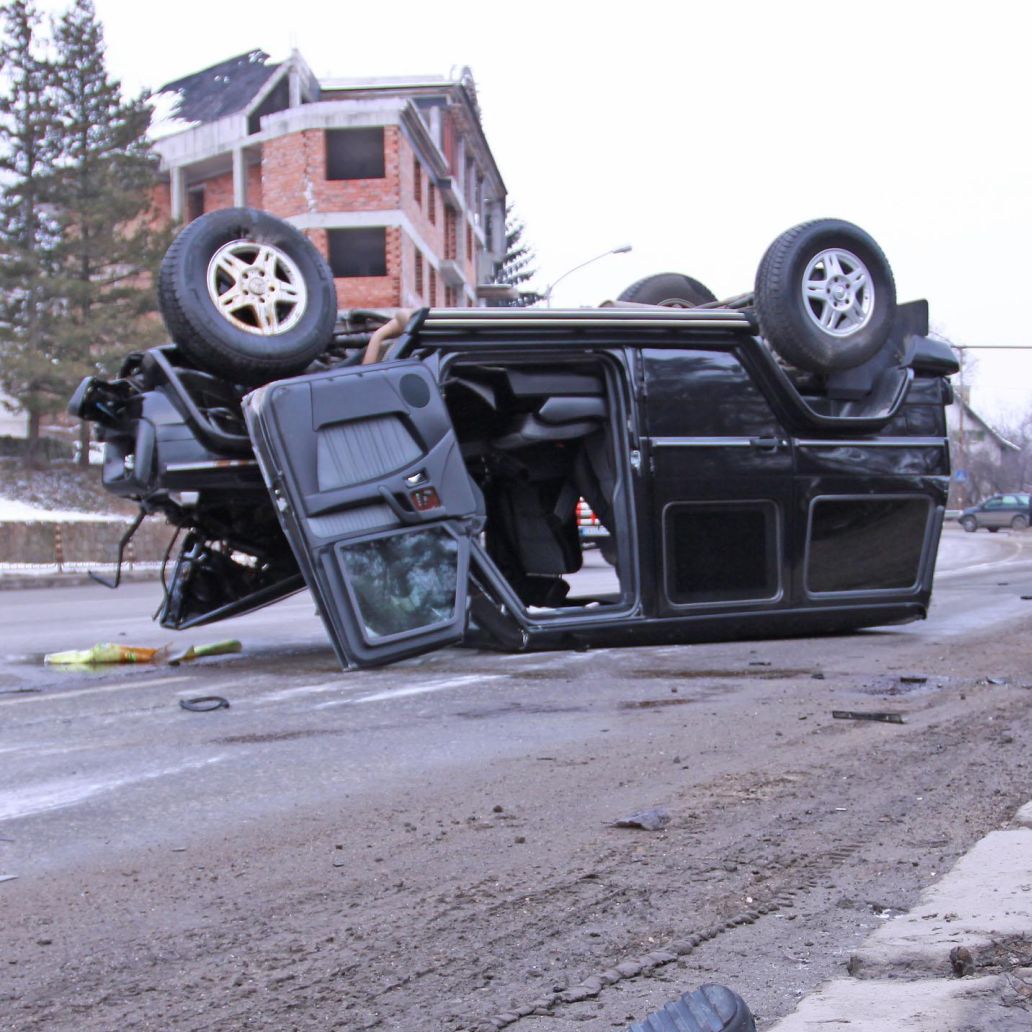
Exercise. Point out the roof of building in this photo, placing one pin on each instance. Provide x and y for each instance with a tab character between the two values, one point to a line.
985	425
210	94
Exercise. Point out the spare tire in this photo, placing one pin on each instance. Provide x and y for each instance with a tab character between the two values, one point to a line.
247	296
825	296
669	289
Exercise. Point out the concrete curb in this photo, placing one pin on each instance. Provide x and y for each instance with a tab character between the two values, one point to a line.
903	975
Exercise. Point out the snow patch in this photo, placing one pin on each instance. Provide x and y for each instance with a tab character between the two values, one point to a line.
13	511
165	120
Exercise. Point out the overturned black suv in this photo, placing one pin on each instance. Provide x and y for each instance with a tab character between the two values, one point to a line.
772	464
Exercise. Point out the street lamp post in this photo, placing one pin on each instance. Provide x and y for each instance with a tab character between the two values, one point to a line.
622	249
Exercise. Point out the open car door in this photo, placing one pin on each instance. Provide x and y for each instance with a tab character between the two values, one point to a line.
366	474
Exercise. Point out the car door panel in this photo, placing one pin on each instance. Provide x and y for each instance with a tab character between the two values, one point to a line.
374	497
721	469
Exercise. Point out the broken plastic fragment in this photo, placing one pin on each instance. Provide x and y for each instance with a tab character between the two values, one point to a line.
216	648
107	652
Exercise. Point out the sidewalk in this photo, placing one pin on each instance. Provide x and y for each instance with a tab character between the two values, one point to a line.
960	961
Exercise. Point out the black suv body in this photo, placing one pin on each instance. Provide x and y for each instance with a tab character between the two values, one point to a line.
430	498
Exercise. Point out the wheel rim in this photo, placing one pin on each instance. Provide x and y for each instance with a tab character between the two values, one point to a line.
256	288
838	293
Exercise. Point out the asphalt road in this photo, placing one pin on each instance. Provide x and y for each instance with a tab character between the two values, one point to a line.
428	846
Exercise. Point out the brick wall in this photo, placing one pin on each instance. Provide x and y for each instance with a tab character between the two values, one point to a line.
416	212
218	192
291	180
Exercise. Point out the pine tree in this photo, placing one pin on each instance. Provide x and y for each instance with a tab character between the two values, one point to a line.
102	195
518	264
29	361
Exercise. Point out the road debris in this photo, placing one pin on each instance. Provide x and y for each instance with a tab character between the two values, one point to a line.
113	653
8	877
106	652
647	820
885	718
204	703
961	961
216	648
996	680
913	679
712	1008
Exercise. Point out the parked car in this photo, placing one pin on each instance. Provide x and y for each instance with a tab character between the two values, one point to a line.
774	464
1002	510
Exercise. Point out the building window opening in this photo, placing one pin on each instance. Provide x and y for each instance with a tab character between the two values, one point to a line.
354	153
433	286
194	203
417	181
451	225
358	252
431	203
419	274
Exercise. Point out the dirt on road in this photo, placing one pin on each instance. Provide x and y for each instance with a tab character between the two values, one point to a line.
499	895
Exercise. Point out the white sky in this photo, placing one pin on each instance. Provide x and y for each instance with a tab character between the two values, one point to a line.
699	131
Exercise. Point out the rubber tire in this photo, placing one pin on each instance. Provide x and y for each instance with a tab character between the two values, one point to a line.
206	337
670	290
970	524
1019	523
785	323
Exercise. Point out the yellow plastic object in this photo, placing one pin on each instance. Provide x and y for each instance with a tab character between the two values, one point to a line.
106	652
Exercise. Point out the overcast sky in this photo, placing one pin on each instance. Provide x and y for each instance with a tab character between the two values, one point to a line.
698	132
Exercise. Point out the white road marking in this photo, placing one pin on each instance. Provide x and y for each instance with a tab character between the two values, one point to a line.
305	689
79	693
52	795
420	689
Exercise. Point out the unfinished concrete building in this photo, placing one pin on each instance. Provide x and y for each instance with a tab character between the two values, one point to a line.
392	179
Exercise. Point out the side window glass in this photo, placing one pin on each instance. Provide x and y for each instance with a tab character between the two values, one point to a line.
402	583
703	394
865	544
721	552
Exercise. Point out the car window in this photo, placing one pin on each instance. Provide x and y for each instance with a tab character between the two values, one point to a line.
994	503
403	582
1010	499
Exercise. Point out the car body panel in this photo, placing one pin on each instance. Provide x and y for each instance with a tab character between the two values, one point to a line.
431	498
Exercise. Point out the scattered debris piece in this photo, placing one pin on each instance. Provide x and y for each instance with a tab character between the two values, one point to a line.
1026	598
216	648
759	662
19	691
885	718
8	877
647	820
817	676
204	703
996	680
106	652
913	679
709	1007
961	961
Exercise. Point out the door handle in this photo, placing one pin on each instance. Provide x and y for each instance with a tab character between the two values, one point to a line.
767	443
